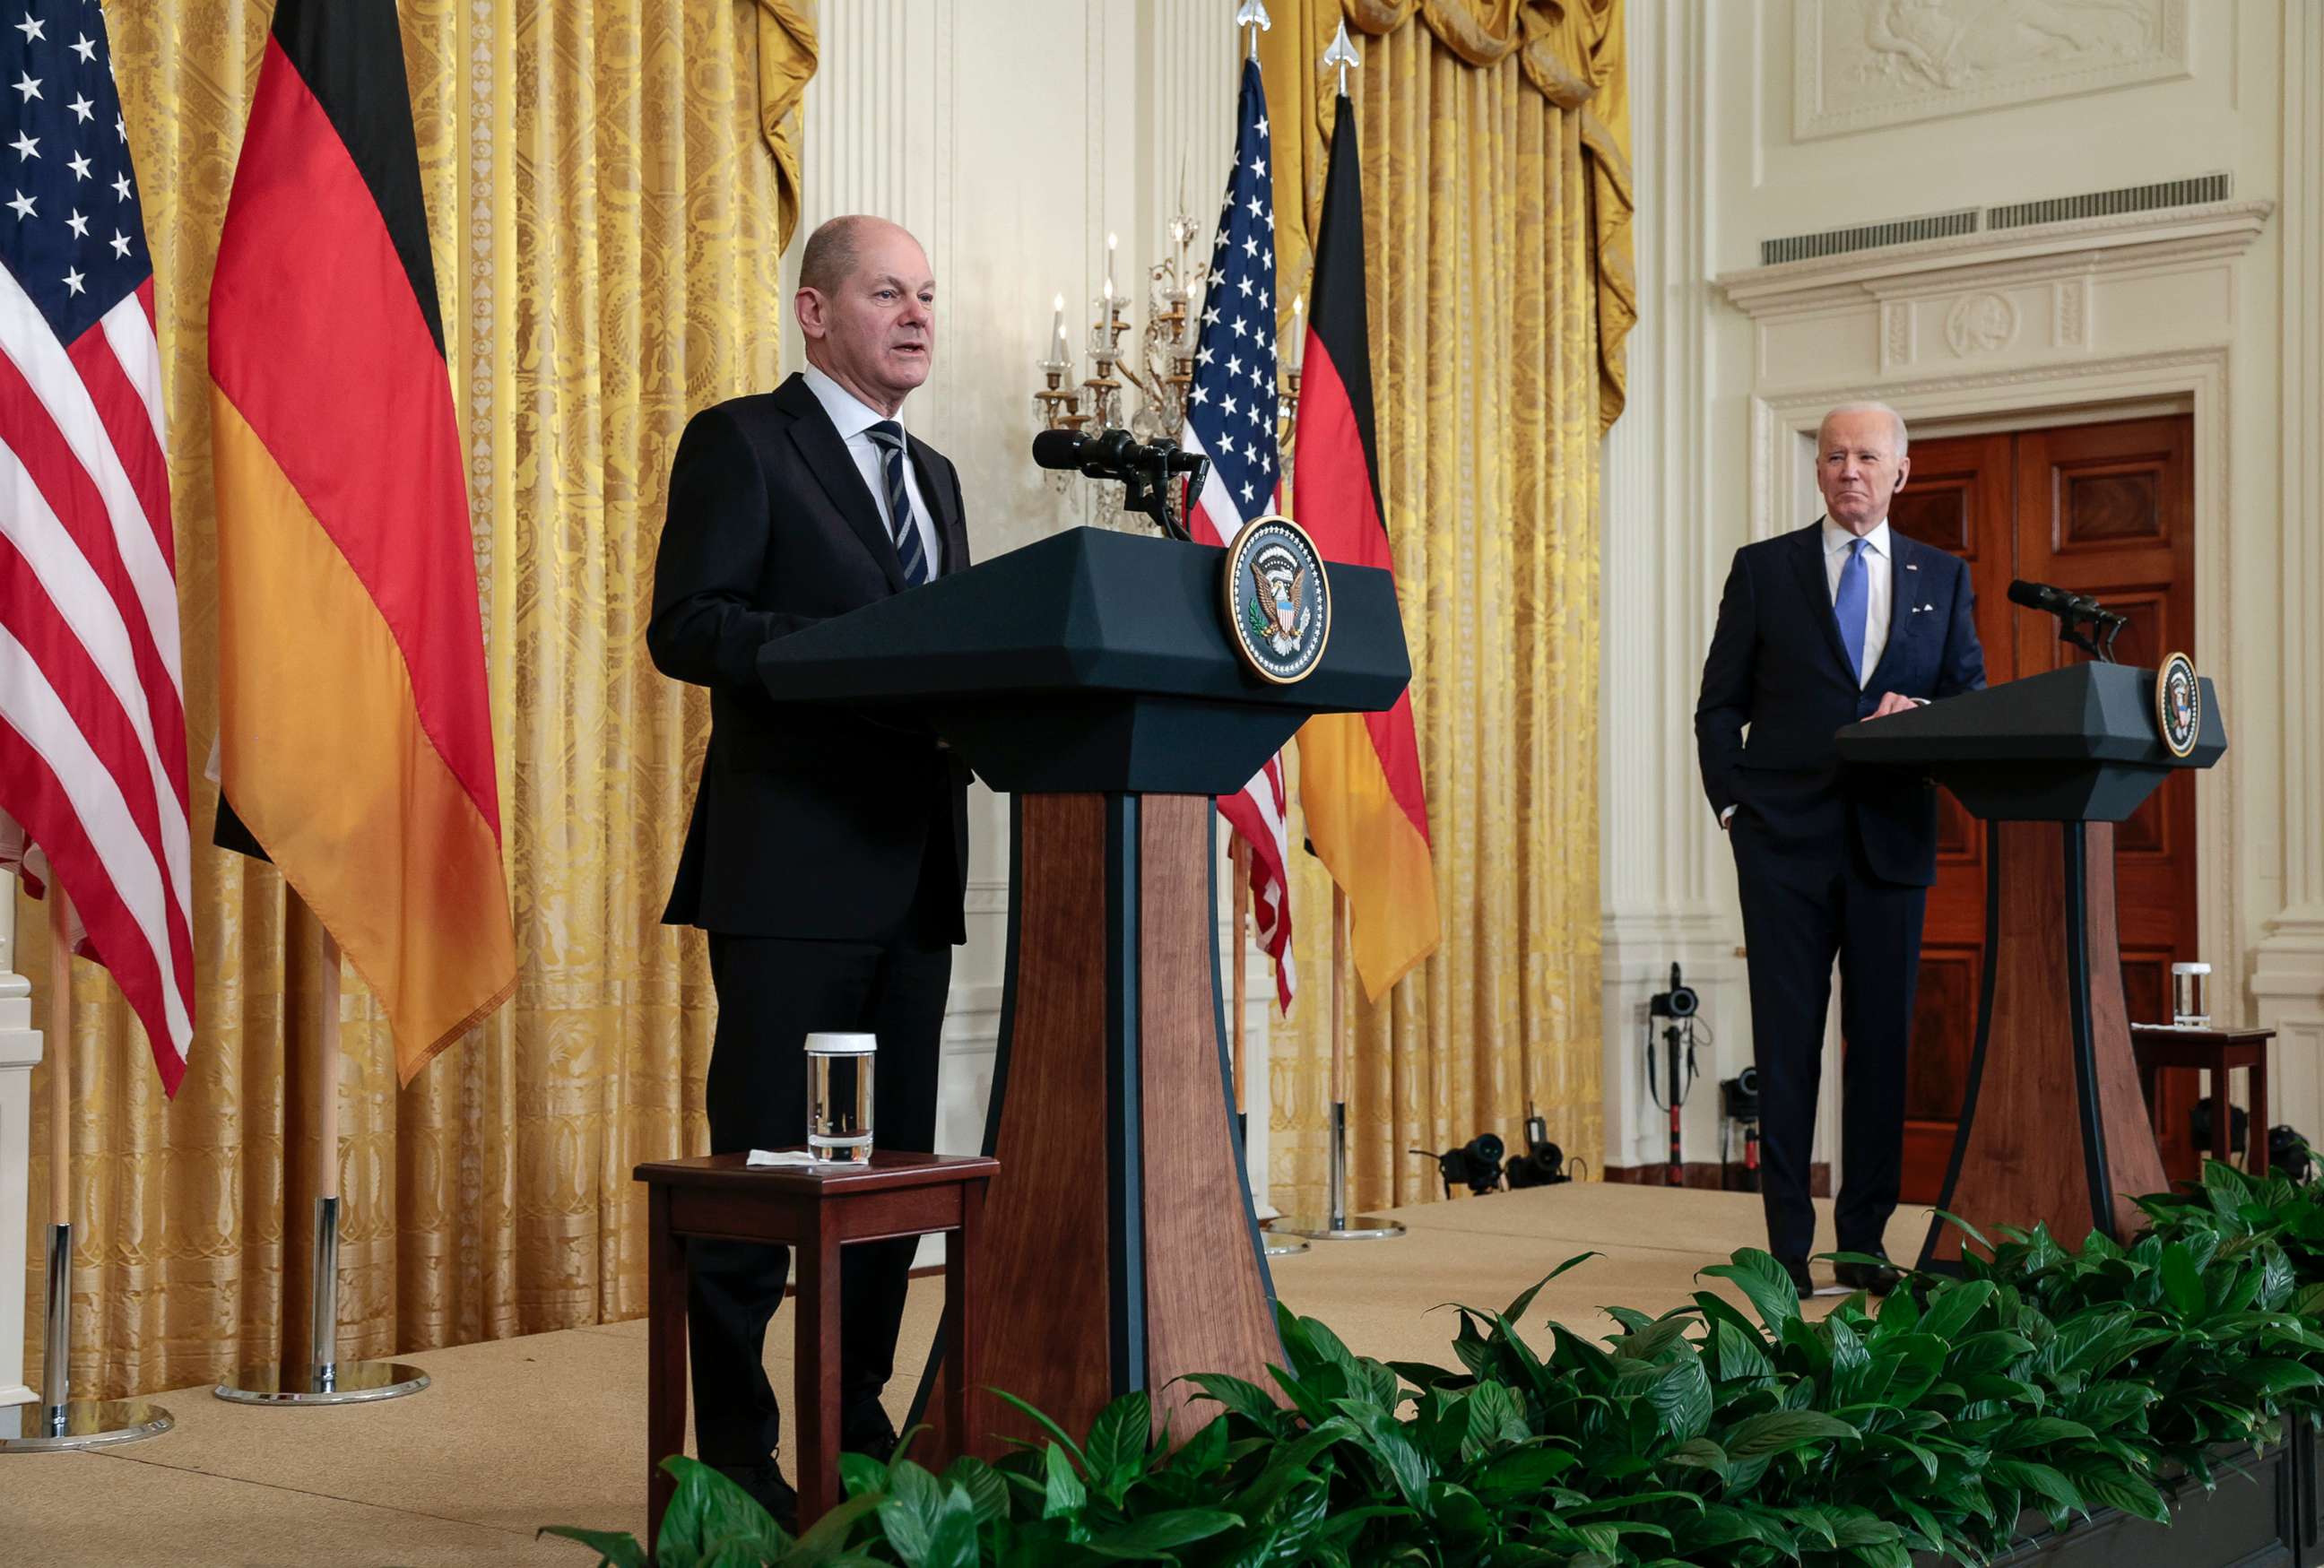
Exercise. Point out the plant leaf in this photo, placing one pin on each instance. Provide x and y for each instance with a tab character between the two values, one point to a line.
987	1491
2119	1488
1780	1431
1115	1452
1153	1535
1245	1399
1765	1281
1062	1492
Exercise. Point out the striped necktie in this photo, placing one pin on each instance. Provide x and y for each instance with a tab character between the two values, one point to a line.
889	437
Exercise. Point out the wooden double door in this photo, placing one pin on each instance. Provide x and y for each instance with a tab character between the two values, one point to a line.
2100	508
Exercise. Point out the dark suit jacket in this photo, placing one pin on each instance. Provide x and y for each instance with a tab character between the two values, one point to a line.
1777	664
811	822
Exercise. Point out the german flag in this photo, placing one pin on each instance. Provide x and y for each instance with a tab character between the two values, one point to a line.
355	743
1359	773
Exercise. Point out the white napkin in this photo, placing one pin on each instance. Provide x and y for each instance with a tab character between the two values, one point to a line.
785	1159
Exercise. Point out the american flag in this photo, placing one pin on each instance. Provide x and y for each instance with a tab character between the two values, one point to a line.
92	710
1230	419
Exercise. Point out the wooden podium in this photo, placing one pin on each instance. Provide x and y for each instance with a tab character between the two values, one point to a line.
1090	676
2053	1129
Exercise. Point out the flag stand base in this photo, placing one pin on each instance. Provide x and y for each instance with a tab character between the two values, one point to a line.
1340	1225
1281	1244
59	1423
328	1380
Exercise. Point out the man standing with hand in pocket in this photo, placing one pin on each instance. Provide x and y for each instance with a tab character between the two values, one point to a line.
1838	623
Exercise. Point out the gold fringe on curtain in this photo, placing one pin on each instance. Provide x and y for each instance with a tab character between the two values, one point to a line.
1497	205
607	225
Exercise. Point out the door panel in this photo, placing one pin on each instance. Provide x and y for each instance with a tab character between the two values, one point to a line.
2106	509
1957	498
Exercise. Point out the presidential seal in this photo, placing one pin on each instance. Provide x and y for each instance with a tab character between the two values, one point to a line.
2177	705
1277	600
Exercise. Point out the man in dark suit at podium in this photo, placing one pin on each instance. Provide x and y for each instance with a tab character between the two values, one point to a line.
1837	622
828	850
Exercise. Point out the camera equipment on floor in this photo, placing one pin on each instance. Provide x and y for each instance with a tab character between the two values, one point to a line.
1677	1008
1542	1164
1475	1165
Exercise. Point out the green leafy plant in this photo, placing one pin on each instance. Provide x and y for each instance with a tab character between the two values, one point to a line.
2042	1385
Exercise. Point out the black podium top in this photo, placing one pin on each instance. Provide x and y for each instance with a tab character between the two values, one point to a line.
2074	744
1093	660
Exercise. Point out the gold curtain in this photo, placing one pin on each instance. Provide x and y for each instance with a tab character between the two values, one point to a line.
1497	204
609	187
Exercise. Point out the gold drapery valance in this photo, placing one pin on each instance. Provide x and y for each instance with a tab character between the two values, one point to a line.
1571	51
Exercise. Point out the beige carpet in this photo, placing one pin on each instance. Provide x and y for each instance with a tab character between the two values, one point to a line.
548	1430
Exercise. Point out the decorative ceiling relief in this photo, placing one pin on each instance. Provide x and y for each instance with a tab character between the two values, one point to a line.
1862	63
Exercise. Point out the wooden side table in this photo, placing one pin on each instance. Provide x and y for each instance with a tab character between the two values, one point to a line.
2159	1047
814	1212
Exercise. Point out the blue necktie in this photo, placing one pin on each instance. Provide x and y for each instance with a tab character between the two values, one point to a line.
1852	606
889	437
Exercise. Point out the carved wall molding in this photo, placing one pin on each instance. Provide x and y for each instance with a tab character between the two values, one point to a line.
1859	64
1985	322
2118	243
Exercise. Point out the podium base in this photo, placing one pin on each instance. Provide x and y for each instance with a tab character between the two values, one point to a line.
1351	1228
86	1424
342	1383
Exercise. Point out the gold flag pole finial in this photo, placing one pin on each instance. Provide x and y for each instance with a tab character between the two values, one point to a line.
1252	14
1342	53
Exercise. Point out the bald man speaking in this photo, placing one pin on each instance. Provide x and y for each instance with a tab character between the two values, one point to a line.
828	850
1838	622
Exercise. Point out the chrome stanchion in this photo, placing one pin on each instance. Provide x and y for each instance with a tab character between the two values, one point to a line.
58	1422
325	1380
1238	859
1338	1225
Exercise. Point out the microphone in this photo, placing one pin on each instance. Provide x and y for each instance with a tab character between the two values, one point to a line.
2059	603
1111	455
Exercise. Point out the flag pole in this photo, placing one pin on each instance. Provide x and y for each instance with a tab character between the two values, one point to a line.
1338	1224
1275	1244
324	1379
58	1422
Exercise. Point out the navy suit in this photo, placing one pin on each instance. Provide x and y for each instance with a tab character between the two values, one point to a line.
1830	861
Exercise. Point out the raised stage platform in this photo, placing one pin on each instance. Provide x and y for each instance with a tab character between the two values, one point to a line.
517	1434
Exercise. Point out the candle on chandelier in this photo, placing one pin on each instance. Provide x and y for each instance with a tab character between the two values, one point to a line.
1060	352
1111	241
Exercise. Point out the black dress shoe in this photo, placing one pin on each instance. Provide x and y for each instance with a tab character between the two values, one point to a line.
1874	1279
1802	1280
768	1488
865	1429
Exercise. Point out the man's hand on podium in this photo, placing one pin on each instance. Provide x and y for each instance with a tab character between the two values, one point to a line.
1893	703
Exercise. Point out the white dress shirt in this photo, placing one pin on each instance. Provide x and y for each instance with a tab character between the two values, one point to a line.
854	418
1879	594
1879	582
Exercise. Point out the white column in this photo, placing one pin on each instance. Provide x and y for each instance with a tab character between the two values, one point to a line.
2288	972
20	1047
1663	880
